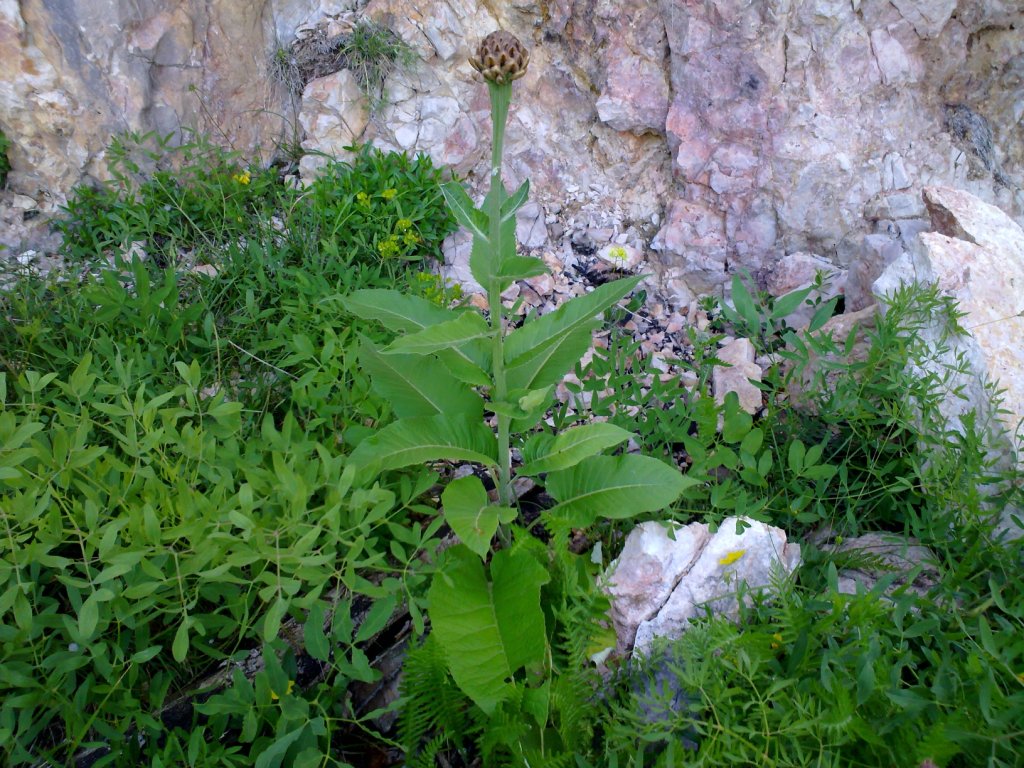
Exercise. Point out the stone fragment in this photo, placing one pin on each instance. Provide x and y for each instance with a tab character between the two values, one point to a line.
531	231
736	377
334	115
636	95
799	270
876	253
927	16
694	241
665	577
892	59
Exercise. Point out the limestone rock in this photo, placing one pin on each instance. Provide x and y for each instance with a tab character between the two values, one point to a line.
798	271
736	376
334	115
659	584
636	96
876	253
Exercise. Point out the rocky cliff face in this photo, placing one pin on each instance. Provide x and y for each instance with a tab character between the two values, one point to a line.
709	135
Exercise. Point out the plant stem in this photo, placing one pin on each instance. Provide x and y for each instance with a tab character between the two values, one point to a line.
500	97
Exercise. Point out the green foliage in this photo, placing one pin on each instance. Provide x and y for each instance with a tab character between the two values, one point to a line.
488	618
174	493
5	162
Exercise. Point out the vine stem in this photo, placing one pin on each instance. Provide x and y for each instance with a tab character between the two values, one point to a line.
501	96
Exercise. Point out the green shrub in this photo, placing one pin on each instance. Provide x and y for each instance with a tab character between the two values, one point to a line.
5	161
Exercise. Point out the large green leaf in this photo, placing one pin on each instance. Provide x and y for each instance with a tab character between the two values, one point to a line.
396	311
489	629
410	314
552	361
570	447
448	335
471	515
430	438
614	487
418	386
521	268
537	353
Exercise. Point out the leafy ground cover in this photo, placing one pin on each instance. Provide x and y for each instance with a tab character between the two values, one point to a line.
191	472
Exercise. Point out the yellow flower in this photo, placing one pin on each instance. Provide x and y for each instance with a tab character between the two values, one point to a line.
776	640
732	557
617	252
388	194
291	687
410	238
403	225
388	248
242	178
363	198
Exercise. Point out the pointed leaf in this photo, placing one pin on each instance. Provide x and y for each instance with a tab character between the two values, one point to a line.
534	353
570	447
614	487
511	206
432	438
784	305
418	386
467	214
470	514
521	267
452	334
489	629
396	311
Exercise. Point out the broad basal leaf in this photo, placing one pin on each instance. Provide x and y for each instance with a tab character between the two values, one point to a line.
418	386
469	513
614	487
452	334
489	628
521	268
396	311
537	353
570	447
431	438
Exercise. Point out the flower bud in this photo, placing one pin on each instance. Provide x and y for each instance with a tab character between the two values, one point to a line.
501	58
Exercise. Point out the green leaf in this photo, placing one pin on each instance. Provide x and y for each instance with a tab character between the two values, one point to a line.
795	458
179	648
822	315
541	351
431	438
272	619
614	487
744	304
521	268
467	214
569	447
89	616
314	637
785	305
510	206
396	311
489	629
272	756
469	513
418	386
448	335
376	618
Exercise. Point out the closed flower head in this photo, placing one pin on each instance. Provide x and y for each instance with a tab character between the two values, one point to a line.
501	58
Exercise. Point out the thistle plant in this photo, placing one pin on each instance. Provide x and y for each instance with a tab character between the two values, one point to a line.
449	367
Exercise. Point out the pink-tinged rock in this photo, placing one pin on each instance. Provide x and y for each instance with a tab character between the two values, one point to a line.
927	16
636	96
654	559
334	114
737	376
693	239
892	59
959	214
531	231
693	143
702	572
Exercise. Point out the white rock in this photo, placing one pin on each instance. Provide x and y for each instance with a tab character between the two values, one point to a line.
334	114
657	585
738	375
